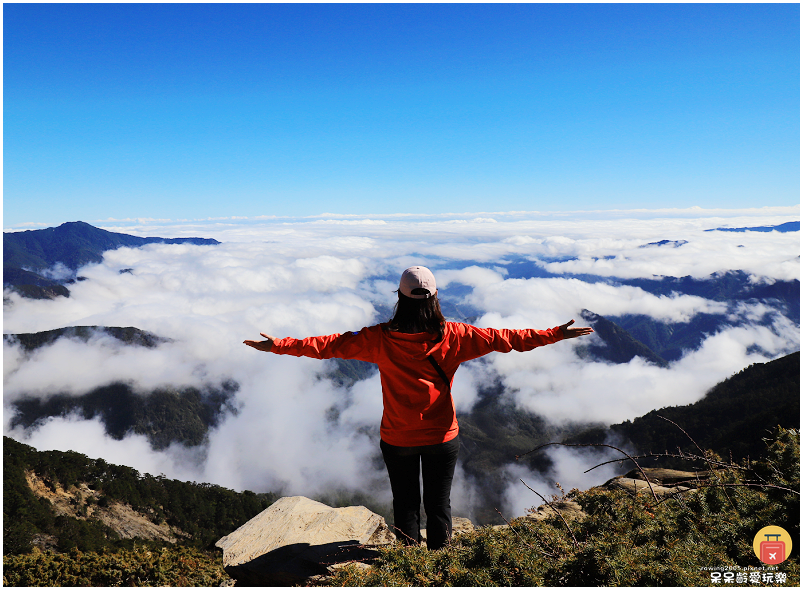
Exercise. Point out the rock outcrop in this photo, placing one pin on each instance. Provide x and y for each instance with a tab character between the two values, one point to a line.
81	502
297	538
670	477
665	482
569	509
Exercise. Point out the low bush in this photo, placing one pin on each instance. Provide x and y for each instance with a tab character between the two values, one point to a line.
174	566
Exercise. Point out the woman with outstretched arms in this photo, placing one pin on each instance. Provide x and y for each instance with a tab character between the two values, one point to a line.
418	353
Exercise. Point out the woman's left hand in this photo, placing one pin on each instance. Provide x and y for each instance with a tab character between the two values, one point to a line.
263	345
572	332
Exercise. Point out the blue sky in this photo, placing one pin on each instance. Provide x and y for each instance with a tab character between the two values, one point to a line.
191	111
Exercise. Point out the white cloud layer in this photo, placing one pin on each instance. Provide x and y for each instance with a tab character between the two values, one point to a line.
318	276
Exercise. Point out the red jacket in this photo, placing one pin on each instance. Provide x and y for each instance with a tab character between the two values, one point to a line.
417	407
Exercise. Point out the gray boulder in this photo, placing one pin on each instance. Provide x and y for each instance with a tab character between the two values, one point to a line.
297	538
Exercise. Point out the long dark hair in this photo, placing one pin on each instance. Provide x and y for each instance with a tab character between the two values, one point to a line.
412	316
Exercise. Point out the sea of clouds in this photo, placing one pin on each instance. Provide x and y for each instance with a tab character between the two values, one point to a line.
302	277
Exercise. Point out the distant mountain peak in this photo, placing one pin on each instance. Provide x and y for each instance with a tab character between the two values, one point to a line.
27	254
618	344
672	243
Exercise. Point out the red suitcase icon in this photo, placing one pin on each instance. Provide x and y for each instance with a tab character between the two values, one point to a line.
773	552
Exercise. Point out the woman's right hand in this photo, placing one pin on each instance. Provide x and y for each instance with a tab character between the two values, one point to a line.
263	345
572	332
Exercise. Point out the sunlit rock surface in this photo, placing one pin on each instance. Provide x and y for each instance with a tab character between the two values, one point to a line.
297	538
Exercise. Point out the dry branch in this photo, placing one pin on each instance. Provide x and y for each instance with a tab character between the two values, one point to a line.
569	528
652	491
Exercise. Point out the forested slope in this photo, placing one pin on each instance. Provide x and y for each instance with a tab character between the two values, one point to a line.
203	512
732	418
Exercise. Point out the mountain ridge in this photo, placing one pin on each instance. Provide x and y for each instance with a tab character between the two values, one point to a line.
789	226
732	418
28	254
128	335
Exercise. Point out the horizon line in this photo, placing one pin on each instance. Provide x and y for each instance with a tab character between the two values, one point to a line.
481	215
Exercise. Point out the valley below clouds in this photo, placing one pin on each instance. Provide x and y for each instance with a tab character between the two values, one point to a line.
291	427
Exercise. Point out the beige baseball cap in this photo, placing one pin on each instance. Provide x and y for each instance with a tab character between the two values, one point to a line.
417	282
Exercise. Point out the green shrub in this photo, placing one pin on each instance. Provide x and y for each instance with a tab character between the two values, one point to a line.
178	566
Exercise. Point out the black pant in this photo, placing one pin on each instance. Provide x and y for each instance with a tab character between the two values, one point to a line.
438	466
